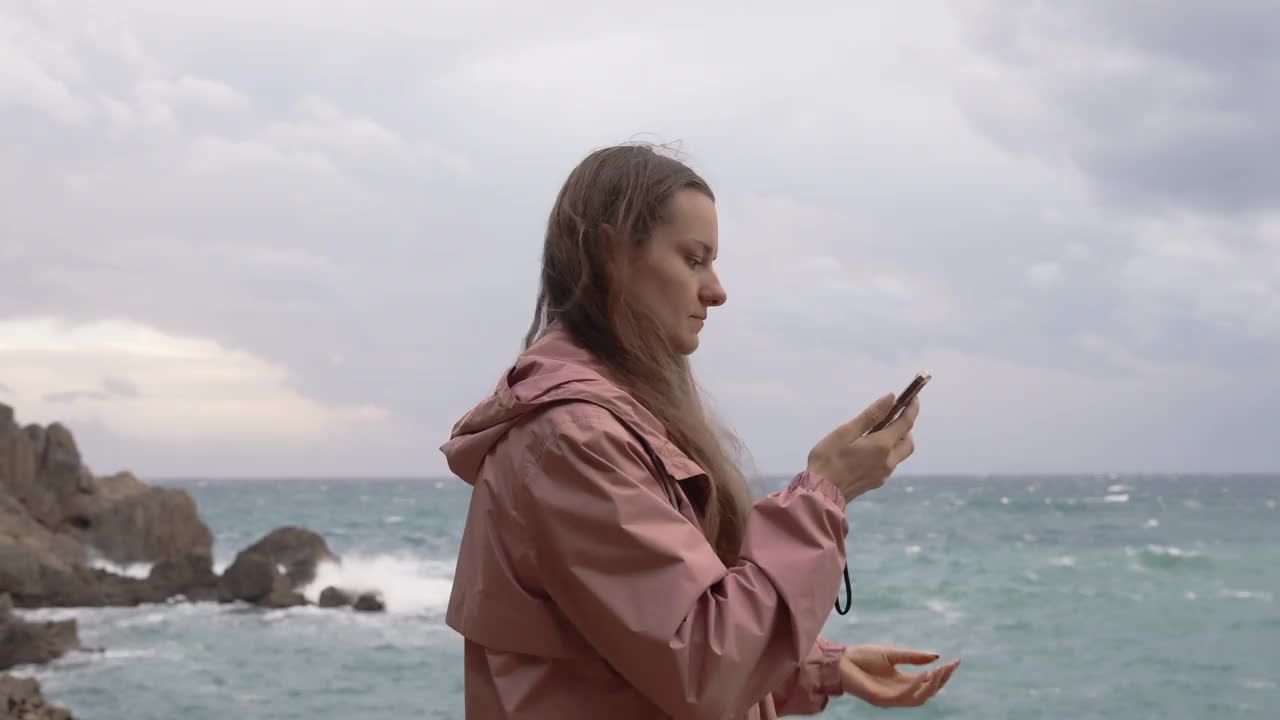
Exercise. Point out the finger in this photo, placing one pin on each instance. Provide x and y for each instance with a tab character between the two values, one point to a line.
927	689
902	450
903	656
904	422
867	419
947	670
911	685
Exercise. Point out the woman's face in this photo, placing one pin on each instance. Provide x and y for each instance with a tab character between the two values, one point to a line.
672	277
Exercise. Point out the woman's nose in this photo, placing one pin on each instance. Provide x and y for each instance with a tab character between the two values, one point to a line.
713	294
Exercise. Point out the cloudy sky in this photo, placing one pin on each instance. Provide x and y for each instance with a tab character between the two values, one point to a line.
301	238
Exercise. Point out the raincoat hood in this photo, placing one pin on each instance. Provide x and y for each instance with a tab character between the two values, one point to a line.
554	369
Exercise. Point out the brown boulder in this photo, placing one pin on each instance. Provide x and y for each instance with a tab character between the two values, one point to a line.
250	577
256	578
123	519
127	521
59	462
332	597
282	595
18	466
32	558
297	550
21	699
191	576
369	602
24	643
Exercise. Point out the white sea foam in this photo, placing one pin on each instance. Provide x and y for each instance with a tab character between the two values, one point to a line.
1117	498
1245	595
392	520
1063	561
133	570
914	549
151	618
1152	523
948	612
1171	551
408	585
1119	489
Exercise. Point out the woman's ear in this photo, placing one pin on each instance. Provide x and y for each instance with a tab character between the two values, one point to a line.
608	235
611	249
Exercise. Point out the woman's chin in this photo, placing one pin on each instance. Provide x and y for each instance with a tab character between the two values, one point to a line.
687	344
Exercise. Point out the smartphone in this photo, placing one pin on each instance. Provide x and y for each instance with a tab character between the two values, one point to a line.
917	383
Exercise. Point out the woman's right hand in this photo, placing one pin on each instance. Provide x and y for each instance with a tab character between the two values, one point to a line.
857	462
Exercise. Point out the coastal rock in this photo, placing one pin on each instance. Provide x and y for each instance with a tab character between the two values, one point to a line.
33	559
251	577
21	699
298	550
369	602
24	643
18	465
55	515
282	595
332	597
191	576
127	521
271	571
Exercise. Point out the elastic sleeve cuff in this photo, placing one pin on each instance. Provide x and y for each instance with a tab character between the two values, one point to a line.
816	483
829	682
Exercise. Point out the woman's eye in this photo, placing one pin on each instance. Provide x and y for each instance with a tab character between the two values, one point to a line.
695	262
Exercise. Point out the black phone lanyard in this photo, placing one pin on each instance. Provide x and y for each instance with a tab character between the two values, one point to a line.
848	593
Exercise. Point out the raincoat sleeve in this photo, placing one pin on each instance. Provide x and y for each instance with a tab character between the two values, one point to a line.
647	591
808	690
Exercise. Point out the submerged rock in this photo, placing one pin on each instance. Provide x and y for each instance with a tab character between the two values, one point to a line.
369	602
332	597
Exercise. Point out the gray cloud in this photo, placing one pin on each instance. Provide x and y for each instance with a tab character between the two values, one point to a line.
1163	103
66	397
120	387
363	207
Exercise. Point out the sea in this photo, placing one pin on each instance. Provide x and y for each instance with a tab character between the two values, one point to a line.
1065	597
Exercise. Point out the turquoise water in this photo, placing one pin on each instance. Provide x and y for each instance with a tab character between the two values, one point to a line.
1086	597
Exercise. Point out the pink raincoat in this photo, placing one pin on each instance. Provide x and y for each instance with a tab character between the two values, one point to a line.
584	586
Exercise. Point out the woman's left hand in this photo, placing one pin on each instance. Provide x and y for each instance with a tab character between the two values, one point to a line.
868	673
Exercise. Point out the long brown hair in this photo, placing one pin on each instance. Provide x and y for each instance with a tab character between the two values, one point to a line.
607	209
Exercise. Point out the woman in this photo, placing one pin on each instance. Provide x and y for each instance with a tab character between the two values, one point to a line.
613	564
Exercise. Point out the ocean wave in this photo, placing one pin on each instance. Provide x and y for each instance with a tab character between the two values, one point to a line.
949	613
408	585
1166	557
1116	498
1245	594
